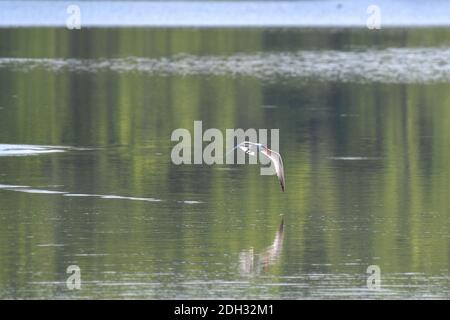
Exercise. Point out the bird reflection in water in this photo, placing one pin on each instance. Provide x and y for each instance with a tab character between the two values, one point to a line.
251	263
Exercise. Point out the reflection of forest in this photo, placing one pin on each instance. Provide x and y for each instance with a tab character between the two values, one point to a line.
395	207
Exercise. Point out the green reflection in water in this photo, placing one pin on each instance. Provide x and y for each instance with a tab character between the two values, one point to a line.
367	171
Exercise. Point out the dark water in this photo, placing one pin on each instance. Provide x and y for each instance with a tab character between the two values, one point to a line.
364	121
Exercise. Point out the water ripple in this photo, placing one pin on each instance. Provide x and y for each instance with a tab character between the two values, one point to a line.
31	150
27	189
393	65
26	150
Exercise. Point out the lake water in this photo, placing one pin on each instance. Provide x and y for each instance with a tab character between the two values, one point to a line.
86	176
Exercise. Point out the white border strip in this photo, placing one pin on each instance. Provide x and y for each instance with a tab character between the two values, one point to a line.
321	13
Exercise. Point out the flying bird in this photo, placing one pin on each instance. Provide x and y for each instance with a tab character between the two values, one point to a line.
249	148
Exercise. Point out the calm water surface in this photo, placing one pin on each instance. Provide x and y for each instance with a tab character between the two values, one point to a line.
86	176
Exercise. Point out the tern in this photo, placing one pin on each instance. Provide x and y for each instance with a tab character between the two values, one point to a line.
274	156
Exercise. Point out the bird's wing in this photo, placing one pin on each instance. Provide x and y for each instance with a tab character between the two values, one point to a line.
230	151
245	146
275	157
